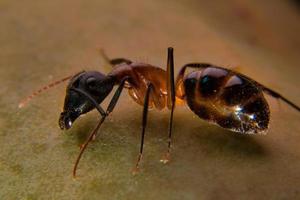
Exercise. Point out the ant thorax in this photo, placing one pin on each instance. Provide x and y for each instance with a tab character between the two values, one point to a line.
140	76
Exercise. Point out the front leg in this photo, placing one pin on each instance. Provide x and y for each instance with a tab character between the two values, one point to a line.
109	109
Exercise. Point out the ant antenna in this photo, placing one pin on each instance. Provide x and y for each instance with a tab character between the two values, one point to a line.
39	91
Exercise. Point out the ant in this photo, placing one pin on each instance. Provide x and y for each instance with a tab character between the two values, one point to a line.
218	95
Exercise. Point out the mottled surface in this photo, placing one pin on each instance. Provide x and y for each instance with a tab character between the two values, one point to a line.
44	40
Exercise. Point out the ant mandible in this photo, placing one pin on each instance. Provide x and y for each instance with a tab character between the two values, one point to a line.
217	95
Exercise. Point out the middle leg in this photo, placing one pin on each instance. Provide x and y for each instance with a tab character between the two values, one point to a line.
113	62
144	124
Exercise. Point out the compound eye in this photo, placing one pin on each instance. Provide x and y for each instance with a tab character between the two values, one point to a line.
91	82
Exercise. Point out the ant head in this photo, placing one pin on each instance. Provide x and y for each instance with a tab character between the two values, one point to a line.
93	84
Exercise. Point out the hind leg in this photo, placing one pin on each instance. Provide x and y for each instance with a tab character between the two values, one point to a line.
171	101
279	96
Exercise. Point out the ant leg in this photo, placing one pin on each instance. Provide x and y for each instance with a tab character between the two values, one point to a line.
83	147
115	61
115	98
279	96
171	100
109	109
144	124
91	99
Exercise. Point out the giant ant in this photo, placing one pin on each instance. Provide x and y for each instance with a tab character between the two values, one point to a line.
217	95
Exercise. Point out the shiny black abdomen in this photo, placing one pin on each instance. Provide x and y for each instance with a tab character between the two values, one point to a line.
227	98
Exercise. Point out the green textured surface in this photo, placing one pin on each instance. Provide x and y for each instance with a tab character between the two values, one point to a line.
41	41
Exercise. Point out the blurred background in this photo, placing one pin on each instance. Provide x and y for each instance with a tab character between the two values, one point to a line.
42	41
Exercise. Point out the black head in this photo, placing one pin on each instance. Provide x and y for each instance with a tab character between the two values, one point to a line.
92	83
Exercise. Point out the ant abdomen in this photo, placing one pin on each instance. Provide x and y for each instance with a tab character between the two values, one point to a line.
228	99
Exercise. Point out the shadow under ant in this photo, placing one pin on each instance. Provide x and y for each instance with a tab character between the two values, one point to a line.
196	135
219	140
